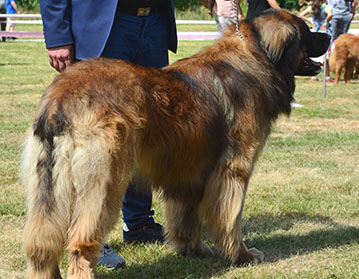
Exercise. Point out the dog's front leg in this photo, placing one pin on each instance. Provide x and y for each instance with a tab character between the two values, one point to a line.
222	207
247	256
184	227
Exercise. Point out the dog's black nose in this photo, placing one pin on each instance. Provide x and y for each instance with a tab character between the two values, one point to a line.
319	44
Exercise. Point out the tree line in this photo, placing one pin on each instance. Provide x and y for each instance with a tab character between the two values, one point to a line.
182	5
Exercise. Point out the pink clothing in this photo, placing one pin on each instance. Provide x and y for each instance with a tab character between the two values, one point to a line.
224	8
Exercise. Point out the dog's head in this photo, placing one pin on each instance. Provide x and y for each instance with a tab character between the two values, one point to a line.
288	42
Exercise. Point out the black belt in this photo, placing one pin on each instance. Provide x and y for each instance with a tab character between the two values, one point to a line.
137	11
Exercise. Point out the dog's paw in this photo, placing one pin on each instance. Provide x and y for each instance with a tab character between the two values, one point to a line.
257	255
203	251
250	256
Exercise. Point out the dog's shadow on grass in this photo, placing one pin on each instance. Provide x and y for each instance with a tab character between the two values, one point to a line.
170	266
275	236
15	64
281	245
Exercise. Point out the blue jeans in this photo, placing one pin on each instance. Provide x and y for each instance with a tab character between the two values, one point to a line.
140	40
143	41
340	25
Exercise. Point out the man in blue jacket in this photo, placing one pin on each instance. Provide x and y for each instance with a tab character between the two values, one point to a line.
140	31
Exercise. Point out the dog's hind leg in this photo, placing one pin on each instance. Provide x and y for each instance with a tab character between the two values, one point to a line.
339	67
96	213
45	229
222	207
183	227
349	69
100	178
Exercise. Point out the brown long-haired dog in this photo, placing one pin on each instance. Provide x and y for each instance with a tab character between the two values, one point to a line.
345	57
193	129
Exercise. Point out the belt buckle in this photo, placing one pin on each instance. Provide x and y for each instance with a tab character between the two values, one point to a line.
143	11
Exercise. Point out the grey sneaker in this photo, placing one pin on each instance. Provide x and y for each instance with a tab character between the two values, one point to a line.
109	258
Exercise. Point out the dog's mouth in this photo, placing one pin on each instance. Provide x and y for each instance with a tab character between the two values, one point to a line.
316	46
308	67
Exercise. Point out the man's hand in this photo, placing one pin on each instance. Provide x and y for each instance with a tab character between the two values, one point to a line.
61	57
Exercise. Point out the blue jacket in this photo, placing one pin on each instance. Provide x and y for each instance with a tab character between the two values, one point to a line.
9	8
86	24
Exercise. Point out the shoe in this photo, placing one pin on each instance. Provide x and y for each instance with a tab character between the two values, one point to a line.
147	234
314	79
108	258
329	79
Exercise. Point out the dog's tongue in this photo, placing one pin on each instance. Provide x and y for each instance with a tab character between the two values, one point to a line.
309	68
309	61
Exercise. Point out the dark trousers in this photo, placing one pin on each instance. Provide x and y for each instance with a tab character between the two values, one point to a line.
340	25
3	25
144	41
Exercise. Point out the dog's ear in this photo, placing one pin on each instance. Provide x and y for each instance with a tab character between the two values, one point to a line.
275	36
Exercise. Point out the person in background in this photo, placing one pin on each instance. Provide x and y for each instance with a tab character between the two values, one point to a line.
257	6
3	19
224	13
139	31
343	13
11	8
321	14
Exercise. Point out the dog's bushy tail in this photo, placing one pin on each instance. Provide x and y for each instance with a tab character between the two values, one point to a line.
73	197
44	233
48	206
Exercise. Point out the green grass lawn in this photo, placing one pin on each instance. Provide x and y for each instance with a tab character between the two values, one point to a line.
302	207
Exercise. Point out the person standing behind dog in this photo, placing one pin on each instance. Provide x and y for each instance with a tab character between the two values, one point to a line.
139	31
223	12
11	8
257	6
321	14
343	13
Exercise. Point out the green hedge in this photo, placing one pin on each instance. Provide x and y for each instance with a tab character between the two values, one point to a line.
179	4
289	4
29	4
188	4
